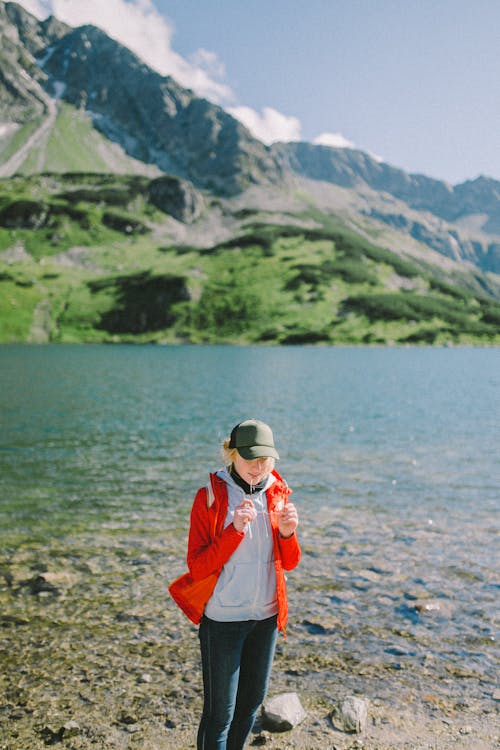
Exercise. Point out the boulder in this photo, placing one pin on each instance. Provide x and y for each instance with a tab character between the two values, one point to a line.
177	198
283	712
350	714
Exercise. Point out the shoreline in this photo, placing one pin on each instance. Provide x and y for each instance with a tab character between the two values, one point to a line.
152	700
96	654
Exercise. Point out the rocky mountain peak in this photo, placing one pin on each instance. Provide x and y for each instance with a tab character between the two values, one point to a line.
152	117
161	125
33	34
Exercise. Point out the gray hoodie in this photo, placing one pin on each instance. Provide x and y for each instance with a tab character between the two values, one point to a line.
246	589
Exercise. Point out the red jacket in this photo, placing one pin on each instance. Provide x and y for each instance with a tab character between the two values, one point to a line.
210	545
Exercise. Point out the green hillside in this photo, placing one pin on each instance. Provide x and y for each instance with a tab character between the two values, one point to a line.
68	142
83	259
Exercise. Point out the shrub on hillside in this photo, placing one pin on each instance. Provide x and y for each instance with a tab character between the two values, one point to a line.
410	306
490	313
350	270
401	306
123	223
273	232
113	196
448	289
142	302
24	214
379	306
240	242
401	266
422	336
305	273
306	337
227	309
80	215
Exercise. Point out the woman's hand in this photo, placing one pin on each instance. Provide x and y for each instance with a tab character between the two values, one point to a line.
288	520
244	513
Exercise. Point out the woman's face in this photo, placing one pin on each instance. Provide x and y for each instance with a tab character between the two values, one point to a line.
254	471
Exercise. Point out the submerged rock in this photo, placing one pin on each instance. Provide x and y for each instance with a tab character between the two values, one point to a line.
428	606
40	584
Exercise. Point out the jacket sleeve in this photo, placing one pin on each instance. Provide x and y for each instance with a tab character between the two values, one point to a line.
290	551
208	552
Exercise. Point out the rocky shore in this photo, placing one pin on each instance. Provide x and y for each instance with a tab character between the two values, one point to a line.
94	654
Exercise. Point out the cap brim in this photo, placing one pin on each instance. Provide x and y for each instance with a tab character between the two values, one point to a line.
257	451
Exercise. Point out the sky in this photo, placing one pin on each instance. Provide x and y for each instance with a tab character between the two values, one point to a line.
414	83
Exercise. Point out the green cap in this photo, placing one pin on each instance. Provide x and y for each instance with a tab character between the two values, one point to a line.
253	439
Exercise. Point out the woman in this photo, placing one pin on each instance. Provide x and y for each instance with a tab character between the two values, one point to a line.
241	539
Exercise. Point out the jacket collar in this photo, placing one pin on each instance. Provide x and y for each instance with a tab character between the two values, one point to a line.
226	476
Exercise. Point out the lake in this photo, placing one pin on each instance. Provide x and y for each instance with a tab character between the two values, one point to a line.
392	453
87	431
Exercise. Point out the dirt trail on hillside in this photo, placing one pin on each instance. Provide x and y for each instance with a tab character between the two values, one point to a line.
37	139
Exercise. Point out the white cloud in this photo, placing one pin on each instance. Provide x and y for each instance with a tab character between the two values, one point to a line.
208	61
335	140
140	27
34	7
270	126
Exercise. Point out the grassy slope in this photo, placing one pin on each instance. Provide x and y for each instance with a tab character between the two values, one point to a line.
72	145
91	270
11	144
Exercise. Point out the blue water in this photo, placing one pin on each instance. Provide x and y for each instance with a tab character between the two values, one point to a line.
393	456
87	428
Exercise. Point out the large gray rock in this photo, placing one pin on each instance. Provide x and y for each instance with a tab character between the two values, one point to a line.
283	712
350	714
176	197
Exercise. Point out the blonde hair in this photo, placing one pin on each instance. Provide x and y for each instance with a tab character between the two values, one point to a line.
229	454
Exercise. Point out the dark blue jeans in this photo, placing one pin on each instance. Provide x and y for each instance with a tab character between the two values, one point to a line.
236	659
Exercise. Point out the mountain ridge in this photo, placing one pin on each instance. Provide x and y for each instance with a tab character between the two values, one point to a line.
109	258
356	241
152	117
159	123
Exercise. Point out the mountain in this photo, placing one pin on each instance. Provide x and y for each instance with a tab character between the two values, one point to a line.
472	207
131	209
110	258
150	116
133	120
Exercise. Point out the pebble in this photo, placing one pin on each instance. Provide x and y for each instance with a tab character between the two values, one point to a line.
427	606
127	718
70	729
